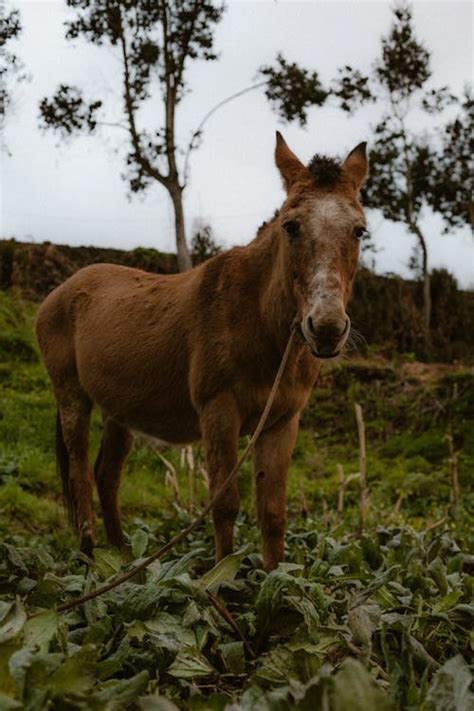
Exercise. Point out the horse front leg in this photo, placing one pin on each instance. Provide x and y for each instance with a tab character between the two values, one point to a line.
220	425
271	459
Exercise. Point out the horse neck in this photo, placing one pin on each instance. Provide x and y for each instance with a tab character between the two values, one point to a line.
277	303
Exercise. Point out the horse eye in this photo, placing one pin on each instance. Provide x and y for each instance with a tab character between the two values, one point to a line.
360	233
291	228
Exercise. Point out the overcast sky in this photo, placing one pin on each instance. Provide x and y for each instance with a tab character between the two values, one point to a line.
73	193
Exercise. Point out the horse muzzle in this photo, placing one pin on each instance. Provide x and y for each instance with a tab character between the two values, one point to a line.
326	338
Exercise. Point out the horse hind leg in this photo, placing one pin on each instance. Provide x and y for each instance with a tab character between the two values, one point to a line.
116	444
72	447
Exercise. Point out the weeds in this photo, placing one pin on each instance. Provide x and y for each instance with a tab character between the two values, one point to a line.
379	620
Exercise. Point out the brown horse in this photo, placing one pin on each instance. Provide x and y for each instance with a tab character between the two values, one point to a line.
194	355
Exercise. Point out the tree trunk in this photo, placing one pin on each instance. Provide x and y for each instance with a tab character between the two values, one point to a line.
184	258
426	283
426	287
427	299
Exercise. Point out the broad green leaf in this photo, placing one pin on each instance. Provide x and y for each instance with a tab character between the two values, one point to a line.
121	694
307	610
115	662
13	622
233	657
40	630
271	596
192	615
7	703
449	690
447	602
136	630
33	672
166	624
437	570
107	561
355	689
363	620
275	667
212	702
299	661
5	608
7	651
290	568
173	568
190	664
98	632
155	703
379	581
67	583
76	674
139	541
225	570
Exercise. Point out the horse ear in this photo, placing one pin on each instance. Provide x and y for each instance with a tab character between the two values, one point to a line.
290	167
356	165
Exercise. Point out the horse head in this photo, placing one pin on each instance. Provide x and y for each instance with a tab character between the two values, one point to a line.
321	224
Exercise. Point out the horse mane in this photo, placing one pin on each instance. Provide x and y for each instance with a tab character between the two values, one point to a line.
325	172
267	223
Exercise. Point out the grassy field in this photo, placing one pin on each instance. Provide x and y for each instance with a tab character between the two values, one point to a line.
375	621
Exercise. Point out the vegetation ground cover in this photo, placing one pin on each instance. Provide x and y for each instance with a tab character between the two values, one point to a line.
371	621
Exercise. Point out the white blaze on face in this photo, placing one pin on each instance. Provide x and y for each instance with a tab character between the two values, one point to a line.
331	221
331	225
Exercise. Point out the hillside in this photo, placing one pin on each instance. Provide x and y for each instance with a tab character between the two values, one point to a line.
385	310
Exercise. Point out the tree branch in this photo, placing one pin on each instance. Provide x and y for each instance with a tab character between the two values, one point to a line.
113	124
170	100
207	116
186	41
140	158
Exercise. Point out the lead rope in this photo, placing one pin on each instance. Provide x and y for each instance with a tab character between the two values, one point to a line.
199	519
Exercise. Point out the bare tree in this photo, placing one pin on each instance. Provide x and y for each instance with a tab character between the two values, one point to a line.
155	42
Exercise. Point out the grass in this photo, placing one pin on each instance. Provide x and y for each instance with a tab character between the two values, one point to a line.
375	621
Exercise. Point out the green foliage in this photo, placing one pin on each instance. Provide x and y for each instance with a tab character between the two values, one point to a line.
203	244
68	112
451	179
401	607
404	65
16	341
412	170
292	90
155	43
377	621
11	67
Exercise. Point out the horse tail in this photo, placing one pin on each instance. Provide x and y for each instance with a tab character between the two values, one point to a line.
62	464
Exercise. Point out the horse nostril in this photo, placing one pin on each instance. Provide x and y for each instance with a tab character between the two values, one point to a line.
311	327
327	332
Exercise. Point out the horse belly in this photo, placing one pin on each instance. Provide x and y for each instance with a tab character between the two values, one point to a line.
156	411
149	394
174	427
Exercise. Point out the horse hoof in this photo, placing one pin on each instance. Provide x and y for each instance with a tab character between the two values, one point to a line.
117	542
87	545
